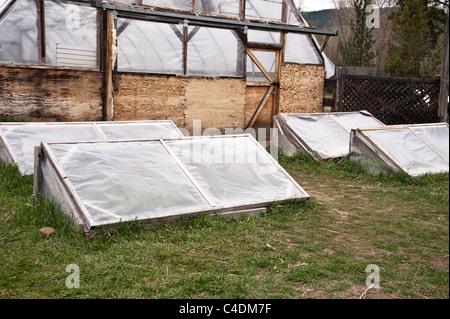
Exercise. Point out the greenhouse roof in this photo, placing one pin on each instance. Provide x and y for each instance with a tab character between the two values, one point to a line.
18	139
323	135
102	183
413	149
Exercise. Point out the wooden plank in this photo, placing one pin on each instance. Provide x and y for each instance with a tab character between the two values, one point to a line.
40	22
301	88
443	89
42	94
262	84
218	103
109	67
37	178
150	97
260	106
259	65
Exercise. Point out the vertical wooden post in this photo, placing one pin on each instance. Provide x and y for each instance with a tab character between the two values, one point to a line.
41	31
242	9
276	94
443	93
109	65
185	46
37	179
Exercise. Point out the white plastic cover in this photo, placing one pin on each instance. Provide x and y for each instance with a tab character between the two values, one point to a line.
417	150
125	181
256	36
148	180
302	50
270	10
221	7
150	46
18	33
327	134
21	138
234	172
213	51
70	34
267	60
170	4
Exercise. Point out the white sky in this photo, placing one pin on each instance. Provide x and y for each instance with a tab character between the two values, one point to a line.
315	5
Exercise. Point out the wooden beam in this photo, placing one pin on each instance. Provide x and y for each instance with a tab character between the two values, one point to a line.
41	31
324	44
185	46
259	65
109	66
213	21
261	106
264	46
37	179
276	100
242	9
443	93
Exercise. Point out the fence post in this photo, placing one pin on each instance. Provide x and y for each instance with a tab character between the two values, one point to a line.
443	93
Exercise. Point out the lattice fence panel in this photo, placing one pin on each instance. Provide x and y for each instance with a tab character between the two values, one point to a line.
392	100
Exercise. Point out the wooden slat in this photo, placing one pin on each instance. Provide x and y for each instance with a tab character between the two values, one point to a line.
392	100
109	67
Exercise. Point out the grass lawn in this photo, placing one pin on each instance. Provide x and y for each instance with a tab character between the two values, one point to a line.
314	249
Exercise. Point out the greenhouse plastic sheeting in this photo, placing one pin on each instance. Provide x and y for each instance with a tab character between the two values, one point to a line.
413	149
17	140
117	181
324	135
149	47
18	36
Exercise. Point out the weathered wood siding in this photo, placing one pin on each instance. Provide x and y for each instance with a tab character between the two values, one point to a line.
39	94
145	97
33	94
301	88
218	103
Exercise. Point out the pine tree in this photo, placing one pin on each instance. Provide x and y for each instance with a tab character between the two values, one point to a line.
358	50
416	29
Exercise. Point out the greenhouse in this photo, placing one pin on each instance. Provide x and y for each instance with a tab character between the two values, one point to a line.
103	183
322	135
229	63
18	139
414	149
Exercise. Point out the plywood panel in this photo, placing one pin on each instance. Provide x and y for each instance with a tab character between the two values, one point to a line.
301	88
218	103
254	95
33	94
145	97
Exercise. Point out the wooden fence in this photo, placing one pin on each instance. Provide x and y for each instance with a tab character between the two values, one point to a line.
391	100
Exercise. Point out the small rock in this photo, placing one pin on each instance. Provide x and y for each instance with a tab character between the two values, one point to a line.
47	232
